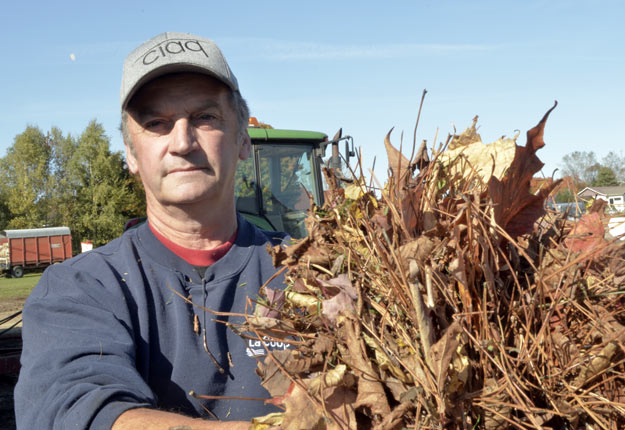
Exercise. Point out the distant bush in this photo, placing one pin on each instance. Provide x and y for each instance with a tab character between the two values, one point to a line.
564	196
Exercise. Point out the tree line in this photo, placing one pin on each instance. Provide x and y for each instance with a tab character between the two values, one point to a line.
51	179
585	170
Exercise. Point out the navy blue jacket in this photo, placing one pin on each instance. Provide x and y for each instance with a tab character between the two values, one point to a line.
105	332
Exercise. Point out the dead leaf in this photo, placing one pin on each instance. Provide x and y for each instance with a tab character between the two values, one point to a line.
268	422
331	378
422	160
300	414
498	408
383	360
267	323
340	401
397	163
458	268
398	389
587	235
382	220
598	364
392	420
409	211
459	371
340	304
322	345
276	368
295	250
370	390
306	301
340	283
333	388
299	286
467	137
273	379
354	191
516	210
467	157
278	255
443	351
275	301
418	249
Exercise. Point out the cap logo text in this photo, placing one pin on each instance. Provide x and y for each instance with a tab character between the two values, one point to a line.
172	48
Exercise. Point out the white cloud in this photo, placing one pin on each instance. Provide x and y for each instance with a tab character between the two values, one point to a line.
290	50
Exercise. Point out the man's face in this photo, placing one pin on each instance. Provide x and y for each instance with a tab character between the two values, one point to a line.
186	140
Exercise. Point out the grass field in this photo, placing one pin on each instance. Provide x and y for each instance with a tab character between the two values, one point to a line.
14	288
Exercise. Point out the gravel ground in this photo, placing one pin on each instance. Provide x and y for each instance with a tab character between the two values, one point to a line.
12	305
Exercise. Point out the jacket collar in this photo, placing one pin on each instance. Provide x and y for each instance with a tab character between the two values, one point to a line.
229	265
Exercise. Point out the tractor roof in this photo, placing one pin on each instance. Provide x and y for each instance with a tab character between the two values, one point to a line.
257	133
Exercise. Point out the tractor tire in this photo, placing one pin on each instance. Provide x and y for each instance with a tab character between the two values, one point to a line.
17	271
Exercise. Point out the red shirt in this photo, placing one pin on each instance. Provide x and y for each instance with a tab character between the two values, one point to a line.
196	257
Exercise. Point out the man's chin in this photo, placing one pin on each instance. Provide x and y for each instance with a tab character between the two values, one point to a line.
184	200
191	197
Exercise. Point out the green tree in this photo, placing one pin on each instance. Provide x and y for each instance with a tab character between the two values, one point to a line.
24	179
5	214
56	180
103	188
616	162
564	196
581	166
605	178
62	188
136	206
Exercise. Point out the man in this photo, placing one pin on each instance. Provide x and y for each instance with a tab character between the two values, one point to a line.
109	339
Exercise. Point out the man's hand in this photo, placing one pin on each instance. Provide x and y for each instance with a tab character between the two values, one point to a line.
151	419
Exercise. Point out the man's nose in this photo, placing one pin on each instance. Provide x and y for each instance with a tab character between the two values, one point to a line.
183	137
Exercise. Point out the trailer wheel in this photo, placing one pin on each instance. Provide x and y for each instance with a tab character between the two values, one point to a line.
17	271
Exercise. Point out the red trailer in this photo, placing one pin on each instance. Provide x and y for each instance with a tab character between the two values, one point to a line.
33	248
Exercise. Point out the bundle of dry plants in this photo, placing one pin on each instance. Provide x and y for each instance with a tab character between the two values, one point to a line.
449	300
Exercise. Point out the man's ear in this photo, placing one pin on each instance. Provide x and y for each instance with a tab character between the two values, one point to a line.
131	161
246	146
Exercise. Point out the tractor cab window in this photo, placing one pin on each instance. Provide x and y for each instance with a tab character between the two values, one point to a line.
274	188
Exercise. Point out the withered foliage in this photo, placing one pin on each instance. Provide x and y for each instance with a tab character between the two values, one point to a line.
447	303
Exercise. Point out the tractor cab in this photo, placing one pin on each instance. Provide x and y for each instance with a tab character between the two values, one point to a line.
276	185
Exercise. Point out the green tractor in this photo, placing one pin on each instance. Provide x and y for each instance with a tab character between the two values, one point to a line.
275	186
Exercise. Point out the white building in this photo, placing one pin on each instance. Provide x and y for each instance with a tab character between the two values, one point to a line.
614	196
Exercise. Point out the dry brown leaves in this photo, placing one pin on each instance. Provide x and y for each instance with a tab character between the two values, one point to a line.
449	303
516	210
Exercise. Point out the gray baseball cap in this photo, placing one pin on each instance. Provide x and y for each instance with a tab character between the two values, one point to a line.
172	53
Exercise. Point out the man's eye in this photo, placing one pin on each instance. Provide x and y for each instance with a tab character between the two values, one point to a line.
205	117
153	123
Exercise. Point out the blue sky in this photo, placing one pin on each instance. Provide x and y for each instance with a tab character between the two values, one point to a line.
323	65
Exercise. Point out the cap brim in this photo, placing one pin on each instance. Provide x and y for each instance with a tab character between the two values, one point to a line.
168	69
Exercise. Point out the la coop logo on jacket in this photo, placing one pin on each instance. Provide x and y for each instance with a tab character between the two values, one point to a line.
256	348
